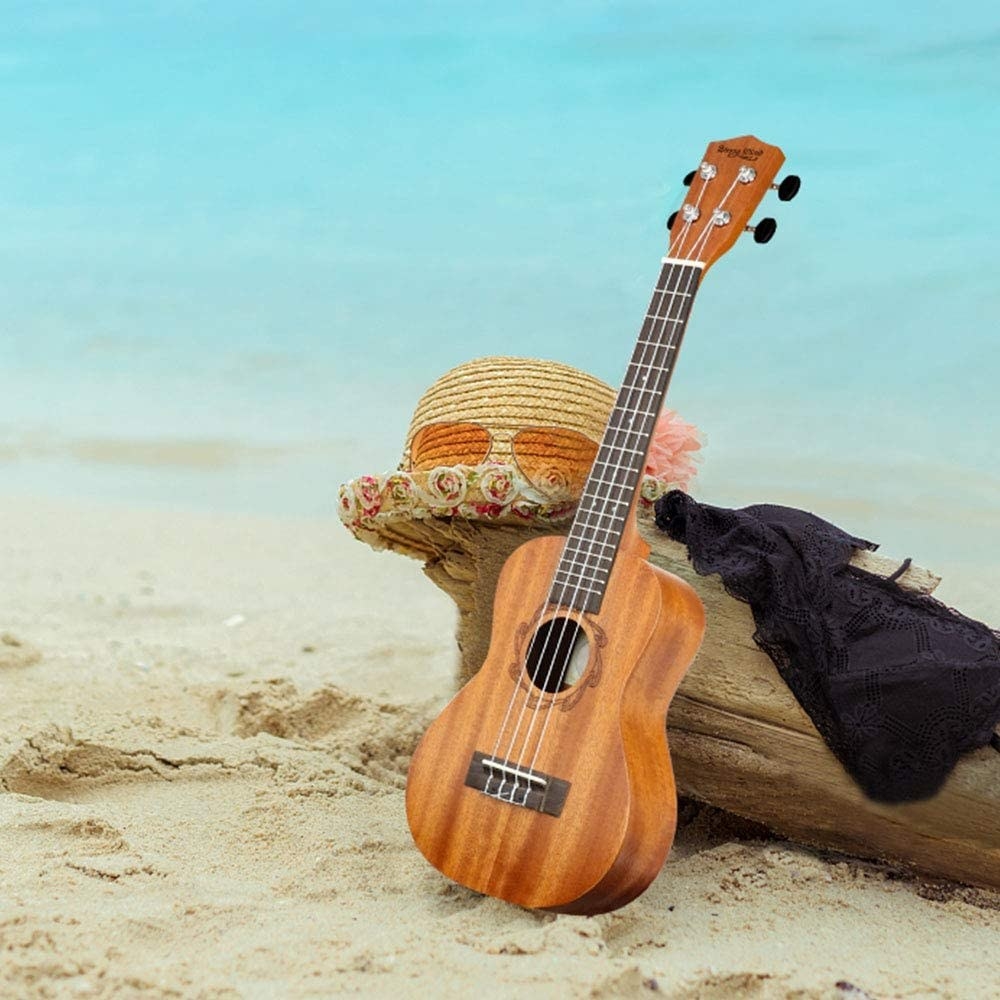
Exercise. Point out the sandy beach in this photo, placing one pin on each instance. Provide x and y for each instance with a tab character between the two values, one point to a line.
205	725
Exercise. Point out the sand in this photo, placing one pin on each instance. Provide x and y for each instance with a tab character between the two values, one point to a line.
205	724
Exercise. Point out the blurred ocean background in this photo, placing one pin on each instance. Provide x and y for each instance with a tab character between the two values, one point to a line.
238	240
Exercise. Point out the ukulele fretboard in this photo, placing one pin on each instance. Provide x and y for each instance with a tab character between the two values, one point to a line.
594	537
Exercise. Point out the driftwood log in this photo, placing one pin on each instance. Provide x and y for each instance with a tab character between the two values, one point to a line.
738	738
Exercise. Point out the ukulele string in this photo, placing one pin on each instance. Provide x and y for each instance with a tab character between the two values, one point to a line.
668	296
672	251
678	243
671	349
642	363
510	754
706	231
645	365
506	719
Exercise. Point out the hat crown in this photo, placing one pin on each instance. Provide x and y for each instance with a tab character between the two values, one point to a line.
507	394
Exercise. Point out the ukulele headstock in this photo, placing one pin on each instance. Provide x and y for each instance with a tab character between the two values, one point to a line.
725	190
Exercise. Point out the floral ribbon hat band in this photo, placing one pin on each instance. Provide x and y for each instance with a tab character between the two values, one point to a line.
507	440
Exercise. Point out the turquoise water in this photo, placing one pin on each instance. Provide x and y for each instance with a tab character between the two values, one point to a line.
270	227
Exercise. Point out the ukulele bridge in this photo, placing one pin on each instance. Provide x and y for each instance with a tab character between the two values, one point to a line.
517	785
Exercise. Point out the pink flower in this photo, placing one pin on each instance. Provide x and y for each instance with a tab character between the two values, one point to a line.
671	451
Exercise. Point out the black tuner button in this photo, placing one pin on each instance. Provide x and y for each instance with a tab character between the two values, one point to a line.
670	221
789	187
688	177
763	231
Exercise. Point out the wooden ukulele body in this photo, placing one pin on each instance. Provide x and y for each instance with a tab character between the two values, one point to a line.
604	736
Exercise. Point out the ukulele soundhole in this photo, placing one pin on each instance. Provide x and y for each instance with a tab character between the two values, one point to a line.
558	655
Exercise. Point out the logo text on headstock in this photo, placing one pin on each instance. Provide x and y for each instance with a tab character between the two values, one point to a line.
744	152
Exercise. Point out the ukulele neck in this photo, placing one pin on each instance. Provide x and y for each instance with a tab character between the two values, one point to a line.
608	495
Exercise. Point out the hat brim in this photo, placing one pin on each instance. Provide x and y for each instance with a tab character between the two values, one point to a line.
374	508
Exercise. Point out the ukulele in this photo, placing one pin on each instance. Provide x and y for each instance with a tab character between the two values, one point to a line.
547	781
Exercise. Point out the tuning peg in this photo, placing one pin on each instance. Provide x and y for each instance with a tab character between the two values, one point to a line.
763	231
788	188
670	220
688	177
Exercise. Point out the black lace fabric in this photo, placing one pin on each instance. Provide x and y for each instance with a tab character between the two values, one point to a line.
898	685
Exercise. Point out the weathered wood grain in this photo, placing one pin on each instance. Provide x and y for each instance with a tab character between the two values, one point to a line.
739	740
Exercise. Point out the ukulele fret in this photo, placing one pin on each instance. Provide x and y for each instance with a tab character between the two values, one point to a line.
620	447
590	577
561	590
590	552
649	367
605	531
588	511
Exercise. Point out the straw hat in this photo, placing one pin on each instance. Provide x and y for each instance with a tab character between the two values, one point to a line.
484	420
